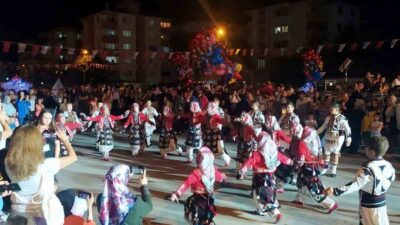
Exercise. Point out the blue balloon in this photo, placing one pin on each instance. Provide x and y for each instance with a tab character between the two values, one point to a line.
307	86
217	58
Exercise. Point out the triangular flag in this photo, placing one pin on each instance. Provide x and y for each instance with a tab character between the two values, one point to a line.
231	52
353	46
244	52
252	52
153	55
21	47
366	44
393	43
379	44
6	46
35	50
71	51
298	50
345	65
170	55
319	49
266	51
94	53
341	47
57	51
282	51
45	50
237	51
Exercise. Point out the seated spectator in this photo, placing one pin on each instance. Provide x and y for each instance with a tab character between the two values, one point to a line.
80	206
24	220
117	205
26	165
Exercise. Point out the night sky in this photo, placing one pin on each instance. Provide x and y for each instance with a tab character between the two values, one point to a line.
25	19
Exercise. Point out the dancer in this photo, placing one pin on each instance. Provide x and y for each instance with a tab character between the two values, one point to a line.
61	127
313	141
212	137
290	122
258	118
338	130
193	138
72	121
372	181
245	136
271	122
150	125
264	162
168	141
105	142
309	182
200	208
136	121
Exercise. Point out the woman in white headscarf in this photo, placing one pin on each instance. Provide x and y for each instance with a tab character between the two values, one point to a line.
11	112
200	208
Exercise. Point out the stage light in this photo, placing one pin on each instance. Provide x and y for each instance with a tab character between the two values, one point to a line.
85	52
220	32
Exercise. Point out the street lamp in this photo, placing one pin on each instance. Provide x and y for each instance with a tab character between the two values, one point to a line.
220	32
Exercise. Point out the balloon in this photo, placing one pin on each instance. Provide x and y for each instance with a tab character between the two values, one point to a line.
238	68
232	81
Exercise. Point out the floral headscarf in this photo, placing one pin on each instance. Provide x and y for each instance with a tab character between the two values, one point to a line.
117	200
205	162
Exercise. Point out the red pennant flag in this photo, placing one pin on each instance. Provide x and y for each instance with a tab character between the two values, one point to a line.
244	52
6	46
21	47
35	50
353	47
123	55
266	51
379	44
94	53
57	51
162	55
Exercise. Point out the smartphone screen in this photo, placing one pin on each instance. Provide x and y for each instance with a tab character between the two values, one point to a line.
139	170
14	187
83	194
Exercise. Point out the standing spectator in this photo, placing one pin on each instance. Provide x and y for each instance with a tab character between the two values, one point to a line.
83	97
303	105
50	104
390	114
368	81
78	210
23	107
396	81
355	115
39	106
51	146
11	112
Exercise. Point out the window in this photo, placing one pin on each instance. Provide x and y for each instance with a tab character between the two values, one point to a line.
152	48
280	44
126	46
112	59
110	46
339	27
151	22
281	29
165	25
353	12
282	12
165	49
340	10
316	26
110	33
111	19
127	33
261	64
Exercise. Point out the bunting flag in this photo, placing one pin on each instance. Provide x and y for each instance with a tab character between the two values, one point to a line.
21	47
345	65
237	51
6	46
153	55
319	49
71	51
366	44
379	44
57	51
35	50
94	53
282	51
341	47
169	57
45	50
393	43
252	52
298	50
232	52
244	53
266	51
353	46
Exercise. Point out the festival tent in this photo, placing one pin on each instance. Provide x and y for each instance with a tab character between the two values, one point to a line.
57	87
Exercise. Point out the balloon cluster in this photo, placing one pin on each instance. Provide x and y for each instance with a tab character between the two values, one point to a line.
183	68
17	84
208	51
313	66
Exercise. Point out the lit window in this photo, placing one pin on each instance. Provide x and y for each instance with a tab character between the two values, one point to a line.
278	30
127	46
285	29
110	46
109	32
166	49
261	64
281	29
112	59
127	33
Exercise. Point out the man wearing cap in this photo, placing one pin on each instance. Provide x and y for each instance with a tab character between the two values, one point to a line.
373	180
337	131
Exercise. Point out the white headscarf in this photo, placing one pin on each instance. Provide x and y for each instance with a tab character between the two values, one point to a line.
269	150
212	108
194	107
205	162
80	206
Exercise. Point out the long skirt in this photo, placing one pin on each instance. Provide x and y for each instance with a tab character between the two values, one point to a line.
264	187
193	138
165	139
200	209
212	139
137	135
105	140
244	150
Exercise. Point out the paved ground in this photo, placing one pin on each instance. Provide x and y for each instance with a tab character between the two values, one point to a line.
232	200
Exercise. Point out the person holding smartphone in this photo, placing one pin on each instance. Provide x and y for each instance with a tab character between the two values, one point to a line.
117	204
82	203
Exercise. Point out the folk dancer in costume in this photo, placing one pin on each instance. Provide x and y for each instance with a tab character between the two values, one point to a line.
290	122
337	131
94	111
212	136
264	162
136	121
150	125
61	127
271	123
258	118
313	141
200	208
194	134
105	121
72	121
168	141
372	182
309	181
245	137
